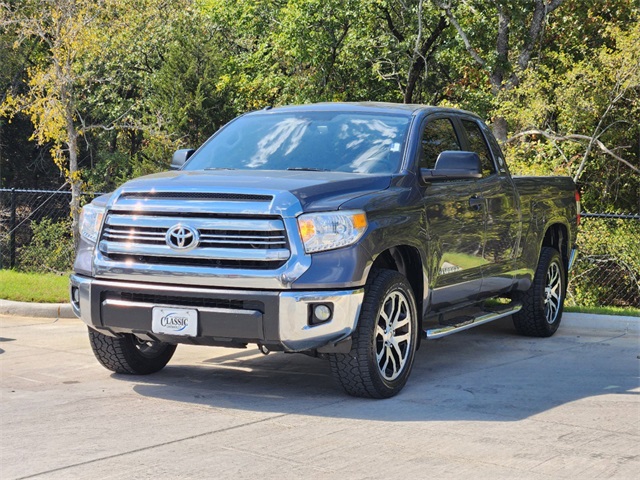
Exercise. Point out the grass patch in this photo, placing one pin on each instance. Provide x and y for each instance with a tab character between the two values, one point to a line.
619	311
34	287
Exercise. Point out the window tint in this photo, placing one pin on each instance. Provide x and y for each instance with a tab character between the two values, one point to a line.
479	145
437	137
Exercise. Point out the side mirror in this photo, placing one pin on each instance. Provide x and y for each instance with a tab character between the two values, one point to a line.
180	158
454	165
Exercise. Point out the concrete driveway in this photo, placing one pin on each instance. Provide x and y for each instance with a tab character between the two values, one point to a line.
480	404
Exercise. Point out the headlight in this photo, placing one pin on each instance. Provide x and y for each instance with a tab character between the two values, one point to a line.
90	221
329	230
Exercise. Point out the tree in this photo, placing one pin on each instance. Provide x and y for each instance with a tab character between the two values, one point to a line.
505	35
409	35
23	163
584	119
83	44
52	98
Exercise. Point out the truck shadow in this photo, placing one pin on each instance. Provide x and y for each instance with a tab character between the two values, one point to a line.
485	374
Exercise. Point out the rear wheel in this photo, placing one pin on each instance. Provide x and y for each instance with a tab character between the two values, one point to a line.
384	343
542	304
129	354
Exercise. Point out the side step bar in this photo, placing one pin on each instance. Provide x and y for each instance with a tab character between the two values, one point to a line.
470	322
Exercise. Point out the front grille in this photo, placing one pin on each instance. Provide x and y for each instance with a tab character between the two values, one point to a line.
197	262
154	299
208	237
215	241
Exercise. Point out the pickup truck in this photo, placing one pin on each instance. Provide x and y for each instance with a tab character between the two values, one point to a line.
350	232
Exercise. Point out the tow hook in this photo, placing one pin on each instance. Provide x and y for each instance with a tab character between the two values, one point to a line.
264	350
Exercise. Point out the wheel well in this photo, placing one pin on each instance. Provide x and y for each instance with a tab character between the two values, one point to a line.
556	237
405	260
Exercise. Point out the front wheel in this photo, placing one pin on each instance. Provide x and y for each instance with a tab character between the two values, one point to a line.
129	354
384	342
542	304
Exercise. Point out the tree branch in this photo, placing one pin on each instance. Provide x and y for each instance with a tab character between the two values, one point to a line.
392	28
540	14
467	44
574	138
502	48
420	60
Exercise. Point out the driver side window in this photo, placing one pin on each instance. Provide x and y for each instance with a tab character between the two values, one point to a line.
438	136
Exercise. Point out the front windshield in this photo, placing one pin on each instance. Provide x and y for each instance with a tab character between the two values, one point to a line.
323	141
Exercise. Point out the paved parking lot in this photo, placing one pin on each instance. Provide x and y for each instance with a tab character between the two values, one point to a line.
481	404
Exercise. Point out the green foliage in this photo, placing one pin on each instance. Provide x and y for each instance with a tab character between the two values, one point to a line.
608	268
121	84
597	97
50	250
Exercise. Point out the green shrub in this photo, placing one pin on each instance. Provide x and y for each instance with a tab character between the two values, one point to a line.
50	250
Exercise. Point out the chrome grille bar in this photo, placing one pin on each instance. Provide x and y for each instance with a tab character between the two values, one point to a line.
144	221
237	239
242	254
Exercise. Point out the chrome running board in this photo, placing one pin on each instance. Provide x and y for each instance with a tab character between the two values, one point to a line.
468	322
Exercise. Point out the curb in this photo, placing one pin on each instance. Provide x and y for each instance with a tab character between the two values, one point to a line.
591	321
27	309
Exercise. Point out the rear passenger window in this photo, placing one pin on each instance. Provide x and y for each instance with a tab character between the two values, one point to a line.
479	145
437	137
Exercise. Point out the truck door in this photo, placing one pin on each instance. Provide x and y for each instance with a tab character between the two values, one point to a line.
501	210
455	225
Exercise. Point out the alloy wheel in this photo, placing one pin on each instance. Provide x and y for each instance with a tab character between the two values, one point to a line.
393	335
553	293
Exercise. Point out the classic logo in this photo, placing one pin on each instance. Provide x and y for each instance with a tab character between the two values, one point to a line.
182	237
174	322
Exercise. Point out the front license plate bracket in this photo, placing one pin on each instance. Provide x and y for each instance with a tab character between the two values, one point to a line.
175	321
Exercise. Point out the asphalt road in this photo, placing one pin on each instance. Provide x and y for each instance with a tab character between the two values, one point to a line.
480	404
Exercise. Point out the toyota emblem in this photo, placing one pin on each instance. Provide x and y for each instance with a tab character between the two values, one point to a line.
182	237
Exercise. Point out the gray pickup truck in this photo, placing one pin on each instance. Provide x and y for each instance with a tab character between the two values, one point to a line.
344	231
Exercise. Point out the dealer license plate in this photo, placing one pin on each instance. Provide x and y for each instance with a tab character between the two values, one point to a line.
175	321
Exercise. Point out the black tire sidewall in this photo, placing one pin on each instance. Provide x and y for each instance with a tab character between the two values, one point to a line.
540	293
388	282
531	319
121	355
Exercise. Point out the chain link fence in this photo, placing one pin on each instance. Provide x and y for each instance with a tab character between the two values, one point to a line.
35	235
607	269
35	230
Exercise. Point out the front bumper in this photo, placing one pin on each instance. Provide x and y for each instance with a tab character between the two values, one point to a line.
227	317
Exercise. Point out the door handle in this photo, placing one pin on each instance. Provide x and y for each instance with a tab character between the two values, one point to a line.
476	202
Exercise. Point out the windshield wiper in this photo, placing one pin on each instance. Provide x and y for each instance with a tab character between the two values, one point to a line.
219	168
309	169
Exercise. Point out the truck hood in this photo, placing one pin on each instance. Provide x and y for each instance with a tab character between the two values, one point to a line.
316	191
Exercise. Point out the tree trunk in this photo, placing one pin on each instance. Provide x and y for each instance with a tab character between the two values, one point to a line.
419	65
74	175
500	129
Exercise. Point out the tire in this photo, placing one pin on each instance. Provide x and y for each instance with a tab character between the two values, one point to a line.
384	342
542	304
130	355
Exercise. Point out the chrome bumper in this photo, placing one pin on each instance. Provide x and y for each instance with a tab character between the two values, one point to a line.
283	323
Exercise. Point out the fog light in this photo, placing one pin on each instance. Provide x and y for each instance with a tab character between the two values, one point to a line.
322	312
75	295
